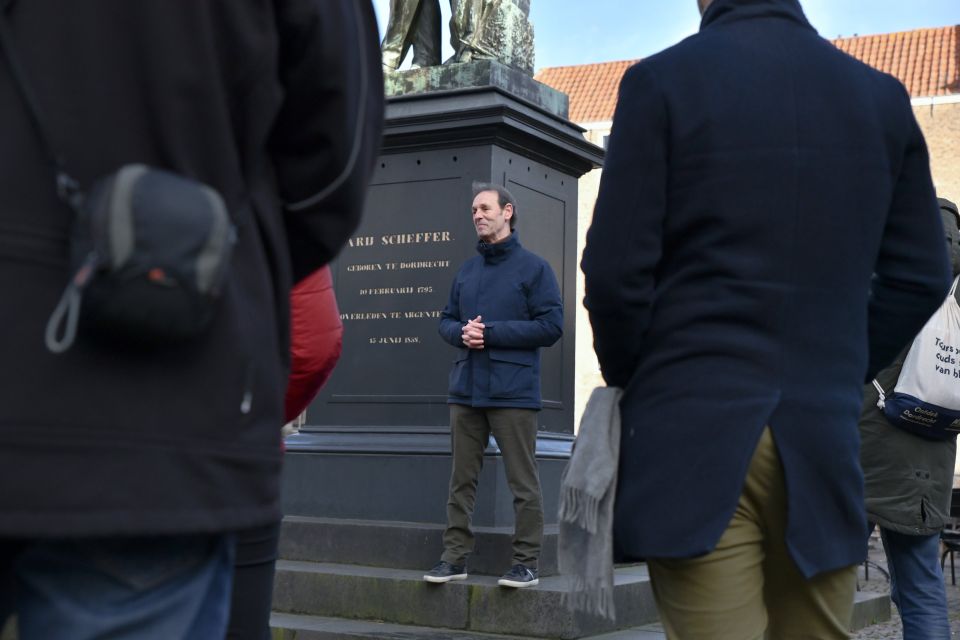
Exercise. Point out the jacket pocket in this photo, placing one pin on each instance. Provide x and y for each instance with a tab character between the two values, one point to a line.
511	373
460	374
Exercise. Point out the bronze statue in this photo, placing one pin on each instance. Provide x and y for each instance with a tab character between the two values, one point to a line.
479	29
413	23
465	20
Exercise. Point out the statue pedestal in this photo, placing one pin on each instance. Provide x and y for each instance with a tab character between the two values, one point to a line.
376	444
483	76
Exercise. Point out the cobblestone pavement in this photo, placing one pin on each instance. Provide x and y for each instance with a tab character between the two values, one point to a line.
893	630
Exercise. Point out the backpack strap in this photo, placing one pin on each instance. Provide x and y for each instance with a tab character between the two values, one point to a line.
68	189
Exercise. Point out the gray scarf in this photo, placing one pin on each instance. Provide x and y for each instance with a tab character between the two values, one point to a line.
587	489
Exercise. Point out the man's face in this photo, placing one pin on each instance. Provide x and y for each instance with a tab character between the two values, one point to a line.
491	221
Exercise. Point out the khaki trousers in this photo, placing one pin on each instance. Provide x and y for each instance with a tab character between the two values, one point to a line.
516	433
748	587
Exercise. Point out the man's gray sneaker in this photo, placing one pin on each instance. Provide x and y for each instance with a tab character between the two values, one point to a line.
519	576
445	572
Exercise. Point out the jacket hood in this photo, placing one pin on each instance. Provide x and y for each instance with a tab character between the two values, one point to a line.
723	11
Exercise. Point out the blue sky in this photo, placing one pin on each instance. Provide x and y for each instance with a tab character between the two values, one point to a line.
582	31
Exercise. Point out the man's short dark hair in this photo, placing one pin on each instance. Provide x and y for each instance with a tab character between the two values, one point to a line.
504	197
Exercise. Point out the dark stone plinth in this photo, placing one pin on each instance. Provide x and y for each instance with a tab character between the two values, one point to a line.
394	277
395	476
477	76
401	545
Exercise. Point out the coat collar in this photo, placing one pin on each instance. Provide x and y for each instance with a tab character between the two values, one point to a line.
724	11
497	252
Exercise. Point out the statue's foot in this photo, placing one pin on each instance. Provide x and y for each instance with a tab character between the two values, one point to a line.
460	58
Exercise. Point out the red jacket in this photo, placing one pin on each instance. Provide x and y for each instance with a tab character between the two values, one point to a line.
316	336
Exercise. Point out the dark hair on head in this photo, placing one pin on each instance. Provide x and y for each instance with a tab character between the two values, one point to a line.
504	197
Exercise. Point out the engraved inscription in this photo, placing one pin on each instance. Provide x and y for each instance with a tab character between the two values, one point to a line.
394	285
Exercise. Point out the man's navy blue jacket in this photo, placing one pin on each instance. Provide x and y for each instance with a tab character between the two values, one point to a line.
516	294
765	239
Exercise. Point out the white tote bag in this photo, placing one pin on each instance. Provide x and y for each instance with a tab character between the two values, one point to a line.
926	399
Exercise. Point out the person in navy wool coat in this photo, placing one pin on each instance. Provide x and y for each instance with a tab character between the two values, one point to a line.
504	306
765	239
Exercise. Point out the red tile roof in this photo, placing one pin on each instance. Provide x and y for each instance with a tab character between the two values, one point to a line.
927	61
592	87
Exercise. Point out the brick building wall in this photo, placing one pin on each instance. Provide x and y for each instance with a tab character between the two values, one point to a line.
587	369
939	120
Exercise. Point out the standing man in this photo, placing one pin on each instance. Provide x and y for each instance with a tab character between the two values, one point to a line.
124	472
908	479
766	238
504	306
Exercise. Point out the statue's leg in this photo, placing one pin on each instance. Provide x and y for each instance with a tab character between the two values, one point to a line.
465	18
399	36
426	40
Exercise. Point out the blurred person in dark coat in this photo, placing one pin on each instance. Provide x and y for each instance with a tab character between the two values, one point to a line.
124	473
766	238
316	340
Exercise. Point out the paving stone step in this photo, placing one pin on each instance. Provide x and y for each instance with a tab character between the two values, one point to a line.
321	600
478	605
296	627
285	626
869	609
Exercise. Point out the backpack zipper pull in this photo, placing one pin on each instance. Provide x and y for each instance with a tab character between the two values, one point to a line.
68	309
